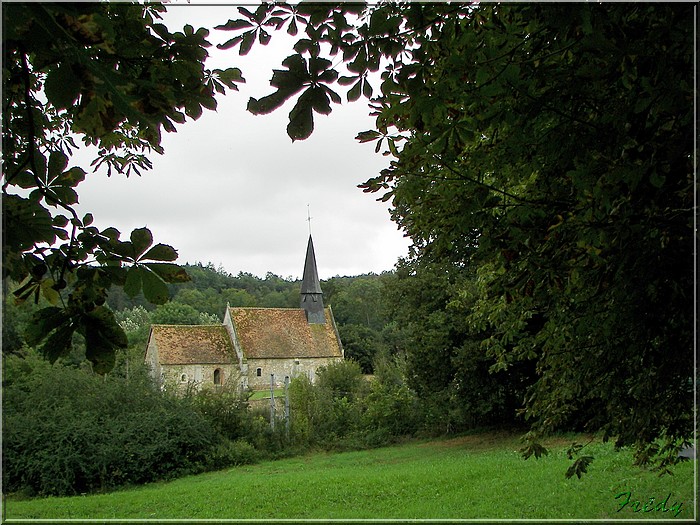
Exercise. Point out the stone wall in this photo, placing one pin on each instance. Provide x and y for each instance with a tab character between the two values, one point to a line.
200	376
283	367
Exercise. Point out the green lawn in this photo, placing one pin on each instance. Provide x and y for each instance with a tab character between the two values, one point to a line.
480	476
265	394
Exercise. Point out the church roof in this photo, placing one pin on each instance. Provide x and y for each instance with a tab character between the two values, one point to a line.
198	344
269	333
310	282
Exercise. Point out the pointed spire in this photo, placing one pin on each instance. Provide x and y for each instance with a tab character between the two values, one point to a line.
310	282
311	294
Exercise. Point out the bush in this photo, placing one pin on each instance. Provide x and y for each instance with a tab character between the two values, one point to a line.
328	413
225	408
67	431
342	379
233	454
393	409
345	411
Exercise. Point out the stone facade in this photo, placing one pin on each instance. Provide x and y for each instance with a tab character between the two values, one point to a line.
201	376
192	356
261	370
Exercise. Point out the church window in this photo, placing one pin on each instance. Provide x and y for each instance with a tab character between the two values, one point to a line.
183	378
258	372
217	376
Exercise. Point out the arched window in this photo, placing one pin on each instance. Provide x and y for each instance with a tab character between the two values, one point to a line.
258	372
183	378
217	376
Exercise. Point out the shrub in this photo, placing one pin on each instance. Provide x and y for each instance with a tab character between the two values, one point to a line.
233	454
342	379
392	408
67	431
328	413
225	408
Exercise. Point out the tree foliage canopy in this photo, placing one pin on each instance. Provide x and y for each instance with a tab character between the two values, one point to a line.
549	148
116	77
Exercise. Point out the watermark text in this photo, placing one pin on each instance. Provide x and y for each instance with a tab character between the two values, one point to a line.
650	505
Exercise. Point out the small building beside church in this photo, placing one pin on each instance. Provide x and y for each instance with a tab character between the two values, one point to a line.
252	346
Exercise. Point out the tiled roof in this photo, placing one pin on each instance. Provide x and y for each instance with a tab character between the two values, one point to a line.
183	345
283	333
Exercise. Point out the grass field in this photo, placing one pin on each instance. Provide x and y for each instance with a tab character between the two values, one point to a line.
265	394
470	477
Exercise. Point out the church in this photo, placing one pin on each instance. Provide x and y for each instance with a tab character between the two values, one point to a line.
253	346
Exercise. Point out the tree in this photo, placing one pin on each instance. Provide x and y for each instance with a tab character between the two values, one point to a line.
175	313
116	77
550	149
361	344
136	323
359	301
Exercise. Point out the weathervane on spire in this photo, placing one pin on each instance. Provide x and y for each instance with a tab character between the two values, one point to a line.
308	217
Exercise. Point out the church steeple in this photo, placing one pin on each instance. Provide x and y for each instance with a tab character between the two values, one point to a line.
311	294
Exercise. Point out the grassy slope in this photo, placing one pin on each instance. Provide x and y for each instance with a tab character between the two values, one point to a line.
478	476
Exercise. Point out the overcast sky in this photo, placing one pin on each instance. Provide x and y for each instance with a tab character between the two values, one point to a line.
232	189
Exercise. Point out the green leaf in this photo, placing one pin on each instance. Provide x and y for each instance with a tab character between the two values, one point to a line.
25	291
98	350
301	122
234	25
141	239
63	194
60	221
25	222
355	92
111	233
154	288
59	343
161	252
108	326
535	449
368	136
317	98
25	179
170	273
266	104
57	163
49	292
346	81
247	43
39	164
367	89
296	64
62	86
233	42
318	65
193	109
579	467
657	180
230	76
43	322
482	76
132	284
72	177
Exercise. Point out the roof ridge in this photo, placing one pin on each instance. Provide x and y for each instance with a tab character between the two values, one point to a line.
264	308
187	325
